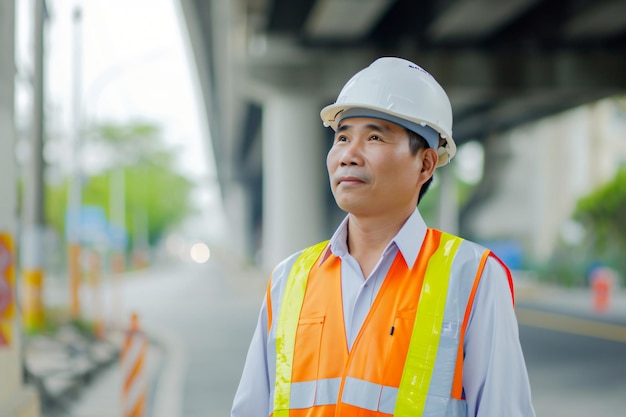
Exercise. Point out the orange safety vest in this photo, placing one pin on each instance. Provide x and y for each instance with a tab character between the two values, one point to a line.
407	359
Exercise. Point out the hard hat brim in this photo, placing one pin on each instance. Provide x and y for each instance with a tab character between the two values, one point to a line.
331	116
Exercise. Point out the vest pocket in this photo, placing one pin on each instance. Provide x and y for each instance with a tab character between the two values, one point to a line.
398	343
307	348
403	323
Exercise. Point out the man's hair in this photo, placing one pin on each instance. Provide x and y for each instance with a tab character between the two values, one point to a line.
417	142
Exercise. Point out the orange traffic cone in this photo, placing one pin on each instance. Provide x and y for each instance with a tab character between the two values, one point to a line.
601	287
133	356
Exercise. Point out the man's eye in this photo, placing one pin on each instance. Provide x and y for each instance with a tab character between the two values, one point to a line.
342	139
374	137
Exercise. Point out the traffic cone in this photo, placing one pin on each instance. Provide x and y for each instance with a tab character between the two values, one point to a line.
133	357
601	286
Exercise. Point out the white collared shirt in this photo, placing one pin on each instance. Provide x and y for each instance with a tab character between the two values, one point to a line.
493	358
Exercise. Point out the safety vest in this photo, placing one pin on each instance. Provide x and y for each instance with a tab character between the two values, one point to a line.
407	359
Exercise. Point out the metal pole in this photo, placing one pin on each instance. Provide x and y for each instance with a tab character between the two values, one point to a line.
75	189
117	201
33	217
117	208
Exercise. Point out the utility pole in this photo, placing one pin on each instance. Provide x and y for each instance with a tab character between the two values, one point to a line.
75	189
33	202
15	399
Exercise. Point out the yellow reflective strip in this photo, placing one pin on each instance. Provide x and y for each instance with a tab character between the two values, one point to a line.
287	325
420	361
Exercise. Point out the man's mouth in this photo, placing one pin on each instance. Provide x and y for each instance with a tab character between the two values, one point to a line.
350	180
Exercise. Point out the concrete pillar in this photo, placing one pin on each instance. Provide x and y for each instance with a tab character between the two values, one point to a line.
236	202
15	399
448	200
294	175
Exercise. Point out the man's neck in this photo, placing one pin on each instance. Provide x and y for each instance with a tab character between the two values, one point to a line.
369	236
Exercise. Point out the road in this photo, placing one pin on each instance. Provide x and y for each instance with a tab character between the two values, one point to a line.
212	314
209	313
578	373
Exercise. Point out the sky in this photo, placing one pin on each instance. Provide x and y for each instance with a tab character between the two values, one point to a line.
136	65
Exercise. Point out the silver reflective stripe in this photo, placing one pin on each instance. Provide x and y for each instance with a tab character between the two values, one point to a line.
310	393
456	408
361	393
370	396
327	391
388	397
302	394
444	407
464	267
445	363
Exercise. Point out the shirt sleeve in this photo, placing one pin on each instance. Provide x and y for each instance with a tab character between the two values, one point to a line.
253	393
495	378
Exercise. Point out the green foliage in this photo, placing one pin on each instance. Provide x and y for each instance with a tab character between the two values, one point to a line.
603	213
567	267
154	193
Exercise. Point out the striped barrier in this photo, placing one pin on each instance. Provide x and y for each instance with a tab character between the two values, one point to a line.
133	357
7	287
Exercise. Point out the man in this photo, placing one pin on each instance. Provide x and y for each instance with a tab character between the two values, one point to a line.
388	317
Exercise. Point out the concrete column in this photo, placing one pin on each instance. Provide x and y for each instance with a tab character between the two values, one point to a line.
448	200
15	399
236	201
294	176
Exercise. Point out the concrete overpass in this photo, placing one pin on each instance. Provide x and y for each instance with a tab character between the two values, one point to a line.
267	68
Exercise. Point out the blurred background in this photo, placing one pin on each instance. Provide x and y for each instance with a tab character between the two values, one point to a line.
159	157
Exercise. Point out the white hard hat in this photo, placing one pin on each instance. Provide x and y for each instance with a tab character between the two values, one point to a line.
401	92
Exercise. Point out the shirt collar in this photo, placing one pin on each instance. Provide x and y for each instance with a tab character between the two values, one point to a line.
408	240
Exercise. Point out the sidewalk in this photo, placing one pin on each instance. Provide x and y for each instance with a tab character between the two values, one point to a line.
61	363
79	376
575	301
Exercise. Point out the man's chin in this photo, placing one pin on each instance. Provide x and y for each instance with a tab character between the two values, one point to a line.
353	207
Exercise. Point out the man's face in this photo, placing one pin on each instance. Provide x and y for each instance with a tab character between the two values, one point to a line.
371	168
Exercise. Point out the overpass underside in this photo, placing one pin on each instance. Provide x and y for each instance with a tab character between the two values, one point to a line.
268	67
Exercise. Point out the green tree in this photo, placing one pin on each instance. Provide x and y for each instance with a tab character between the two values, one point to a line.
155	193
603	213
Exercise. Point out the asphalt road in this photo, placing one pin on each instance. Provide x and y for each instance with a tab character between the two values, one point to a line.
579	372
208	315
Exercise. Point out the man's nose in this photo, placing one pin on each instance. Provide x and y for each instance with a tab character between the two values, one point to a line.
352	154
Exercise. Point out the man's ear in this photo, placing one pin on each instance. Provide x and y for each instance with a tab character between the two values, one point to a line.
429	163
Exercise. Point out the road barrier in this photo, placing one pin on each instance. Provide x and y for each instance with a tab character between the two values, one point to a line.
133	357
7	285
